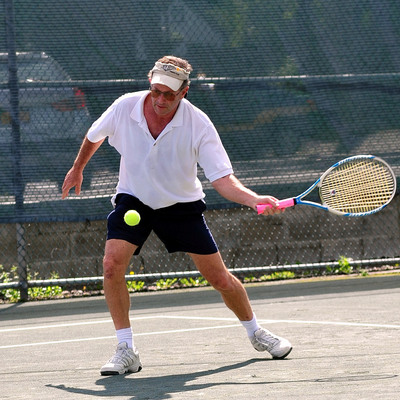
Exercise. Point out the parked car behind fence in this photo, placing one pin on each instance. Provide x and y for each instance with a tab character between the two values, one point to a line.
53	119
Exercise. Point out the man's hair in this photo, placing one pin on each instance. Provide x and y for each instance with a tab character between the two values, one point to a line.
179	62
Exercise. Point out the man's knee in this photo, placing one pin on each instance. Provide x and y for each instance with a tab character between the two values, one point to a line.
224	282
113	269
116	259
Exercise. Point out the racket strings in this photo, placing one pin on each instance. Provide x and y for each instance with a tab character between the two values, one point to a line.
358	186
363	188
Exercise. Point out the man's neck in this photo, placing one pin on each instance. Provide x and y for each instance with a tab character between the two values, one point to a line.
155	122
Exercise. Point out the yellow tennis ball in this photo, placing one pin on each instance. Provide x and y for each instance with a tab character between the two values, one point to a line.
132	217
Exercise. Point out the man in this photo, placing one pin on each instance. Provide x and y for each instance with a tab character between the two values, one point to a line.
161	138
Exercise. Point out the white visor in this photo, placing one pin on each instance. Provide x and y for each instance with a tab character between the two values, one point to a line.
166	80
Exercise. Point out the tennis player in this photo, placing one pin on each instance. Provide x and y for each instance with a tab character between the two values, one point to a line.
161	138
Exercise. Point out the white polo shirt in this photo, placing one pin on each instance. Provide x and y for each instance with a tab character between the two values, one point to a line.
163	171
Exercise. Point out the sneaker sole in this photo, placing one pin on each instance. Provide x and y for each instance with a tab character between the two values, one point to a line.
127	371
282	357
107	373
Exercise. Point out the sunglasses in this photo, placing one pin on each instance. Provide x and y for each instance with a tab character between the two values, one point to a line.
170	96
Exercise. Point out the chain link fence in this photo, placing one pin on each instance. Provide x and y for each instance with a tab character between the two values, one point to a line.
292	87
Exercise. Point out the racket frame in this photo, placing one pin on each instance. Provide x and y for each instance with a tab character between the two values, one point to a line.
299	199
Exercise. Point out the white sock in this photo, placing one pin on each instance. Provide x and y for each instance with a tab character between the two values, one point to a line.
125	335
251	326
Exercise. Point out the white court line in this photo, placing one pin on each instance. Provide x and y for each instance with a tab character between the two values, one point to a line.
286	321
267	321
354	324
106	321
113	337
360	324
31	328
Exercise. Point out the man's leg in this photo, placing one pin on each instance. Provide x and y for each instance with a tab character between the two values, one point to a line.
117	255
116	259
213	269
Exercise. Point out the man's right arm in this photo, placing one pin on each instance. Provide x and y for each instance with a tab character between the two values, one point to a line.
74	176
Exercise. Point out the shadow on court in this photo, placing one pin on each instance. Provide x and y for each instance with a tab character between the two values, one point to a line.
165	386
161	387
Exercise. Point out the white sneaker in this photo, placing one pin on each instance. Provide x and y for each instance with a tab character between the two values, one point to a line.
264	340
124	360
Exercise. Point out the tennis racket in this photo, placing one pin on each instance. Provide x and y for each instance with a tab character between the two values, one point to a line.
354	187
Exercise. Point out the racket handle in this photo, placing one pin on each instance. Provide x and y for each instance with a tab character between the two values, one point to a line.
282	204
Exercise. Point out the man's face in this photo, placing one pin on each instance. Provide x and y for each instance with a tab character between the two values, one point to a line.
164	100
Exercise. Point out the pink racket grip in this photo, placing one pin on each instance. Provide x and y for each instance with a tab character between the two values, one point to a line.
282	204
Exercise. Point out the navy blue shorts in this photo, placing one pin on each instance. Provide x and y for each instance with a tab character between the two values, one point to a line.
181	227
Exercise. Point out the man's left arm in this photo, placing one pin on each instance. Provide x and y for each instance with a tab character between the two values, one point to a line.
232	189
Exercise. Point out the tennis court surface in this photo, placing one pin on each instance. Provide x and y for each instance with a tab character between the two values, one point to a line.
345	334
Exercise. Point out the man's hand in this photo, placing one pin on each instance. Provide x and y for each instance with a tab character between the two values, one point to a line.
274	203
74	178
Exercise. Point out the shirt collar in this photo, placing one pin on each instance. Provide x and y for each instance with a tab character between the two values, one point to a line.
137	113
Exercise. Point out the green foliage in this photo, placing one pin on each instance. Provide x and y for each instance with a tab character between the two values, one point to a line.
193	282
344	267
166	283
11	295
135	286
40	293
34	293
6	277
279	275
249	278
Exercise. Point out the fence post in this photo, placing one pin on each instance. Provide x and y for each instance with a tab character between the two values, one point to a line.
16	144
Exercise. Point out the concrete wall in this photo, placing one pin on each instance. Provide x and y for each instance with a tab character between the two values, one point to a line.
300	235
